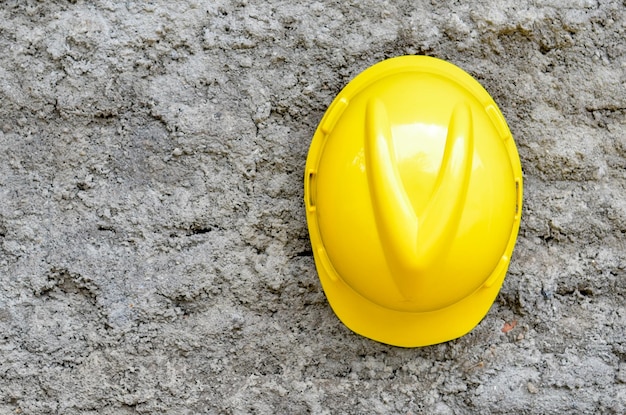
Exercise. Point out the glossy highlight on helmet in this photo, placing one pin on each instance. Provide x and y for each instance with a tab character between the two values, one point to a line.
413	193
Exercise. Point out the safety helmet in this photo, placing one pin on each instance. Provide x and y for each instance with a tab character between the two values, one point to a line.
413	194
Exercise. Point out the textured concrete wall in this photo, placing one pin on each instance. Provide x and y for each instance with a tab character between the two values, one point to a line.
154	256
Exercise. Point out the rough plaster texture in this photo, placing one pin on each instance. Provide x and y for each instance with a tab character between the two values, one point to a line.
154	256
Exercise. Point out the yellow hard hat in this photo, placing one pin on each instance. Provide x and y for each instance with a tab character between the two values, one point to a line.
413	193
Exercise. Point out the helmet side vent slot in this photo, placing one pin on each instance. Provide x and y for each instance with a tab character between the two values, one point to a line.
312	190
518	197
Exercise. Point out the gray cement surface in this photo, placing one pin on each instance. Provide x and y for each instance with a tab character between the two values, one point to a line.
154	256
